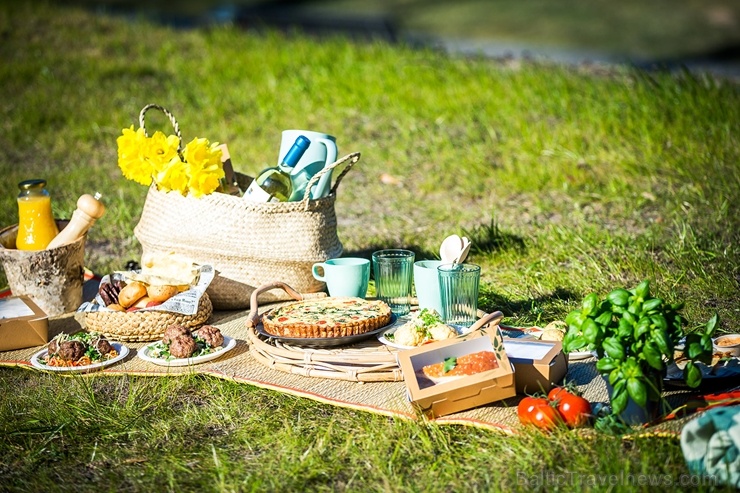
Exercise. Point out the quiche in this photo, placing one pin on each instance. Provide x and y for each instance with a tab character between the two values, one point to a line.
327	317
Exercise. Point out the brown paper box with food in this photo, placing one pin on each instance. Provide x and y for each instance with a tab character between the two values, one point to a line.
539	365
22	324
464	392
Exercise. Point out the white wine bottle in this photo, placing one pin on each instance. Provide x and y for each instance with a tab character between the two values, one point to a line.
274	184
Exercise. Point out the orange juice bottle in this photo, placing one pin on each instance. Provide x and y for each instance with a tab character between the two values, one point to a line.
36	225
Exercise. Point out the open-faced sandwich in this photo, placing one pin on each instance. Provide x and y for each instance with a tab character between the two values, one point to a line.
79	349
452	368
423	327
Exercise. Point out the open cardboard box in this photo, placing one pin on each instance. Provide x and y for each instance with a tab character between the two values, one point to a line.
466	392
539	364
22	324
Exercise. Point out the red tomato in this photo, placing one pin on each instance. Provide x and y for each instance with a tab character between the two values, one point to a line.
537	411
525	409
153	303
574	409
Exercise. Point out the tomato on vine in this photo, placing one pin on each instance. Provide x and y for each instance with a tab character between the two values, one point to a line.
539	412
574	409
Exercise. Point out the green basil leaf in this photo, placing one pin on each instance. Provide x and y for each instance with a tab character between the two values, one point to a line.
614	378
606	364
619	297
694	350
450	363
652	304
642	327
661	340
712	324
659	321
643	290
636	390
692	375
604	319
618	400
575	319
577	343
707	344
652	355
692	338
589	304
629	318
590	330
613	348
624	329
635	307
631	368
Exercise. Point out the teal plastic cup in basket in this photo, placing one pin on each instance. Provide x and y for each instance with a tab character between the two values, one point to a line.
393	270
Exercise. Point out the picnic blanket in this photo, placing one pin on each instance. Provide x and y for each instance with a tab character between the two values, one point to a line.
387	398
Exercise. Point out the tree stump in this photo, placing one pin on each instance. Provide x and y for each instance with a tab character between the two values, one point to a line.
51	278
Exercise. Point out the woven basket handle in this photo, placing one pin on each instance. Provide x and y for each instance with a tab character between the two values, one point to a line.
352	158
488	318
169	115
253	319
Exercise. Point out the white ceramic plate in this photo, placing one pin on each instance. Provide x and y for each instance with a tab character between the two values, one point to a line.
120	348
382	336
143	353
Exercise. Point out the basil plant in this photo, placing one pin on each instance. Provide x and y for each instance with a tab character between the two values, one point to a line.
634	335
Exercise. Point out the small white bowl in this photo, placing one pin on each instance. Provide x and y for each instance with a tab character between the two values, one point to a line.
728	344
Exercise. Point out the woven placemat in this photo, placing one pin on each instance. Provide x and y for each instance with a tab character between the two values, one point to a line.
386	397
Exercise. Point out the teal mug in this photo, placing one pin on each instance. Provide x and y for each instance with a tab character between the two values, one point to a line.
347	276
426	281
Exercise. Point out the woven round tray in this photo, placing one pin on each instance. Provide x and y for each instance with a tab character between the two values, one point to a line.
365	361
144	325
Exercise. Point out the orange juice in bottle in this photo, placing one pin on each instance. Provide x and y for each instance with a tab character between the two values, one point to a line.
36	225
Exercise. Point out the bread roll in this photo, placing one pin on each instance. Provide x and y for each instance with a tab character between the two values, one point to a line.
131	293
142	302
161	293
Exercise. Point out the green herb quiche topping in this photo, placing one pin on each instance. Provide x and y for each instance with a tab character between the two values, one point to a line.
327	317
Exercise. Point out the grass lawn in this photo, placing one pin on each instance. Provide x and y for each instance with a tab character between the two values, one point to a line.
568	181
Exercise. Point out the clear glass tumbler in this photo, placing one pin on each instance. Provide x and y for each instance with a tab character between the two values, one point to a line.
393	270
458	286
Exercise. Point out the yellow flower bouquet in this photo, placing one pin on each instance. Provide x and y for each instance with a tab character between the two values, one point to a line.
195	170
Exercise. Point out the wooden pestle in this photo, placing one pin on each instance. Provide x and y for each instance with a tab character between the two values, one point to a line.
89	209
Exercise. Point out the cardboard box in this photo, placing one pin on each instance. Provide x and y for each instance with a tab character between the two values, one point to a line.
539	364
465	392
22	324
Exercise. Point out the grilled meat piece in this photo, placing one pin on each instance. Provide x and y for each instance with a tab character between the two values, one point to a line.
171	332
71	350
182	346
211	335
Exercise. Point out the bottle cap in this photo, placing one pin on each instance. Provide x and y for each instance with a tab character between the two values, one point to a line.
32	184
295	152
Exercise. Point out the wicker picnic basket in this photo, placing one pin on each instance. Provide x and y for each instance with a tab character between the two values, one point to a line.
145	325
249	244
